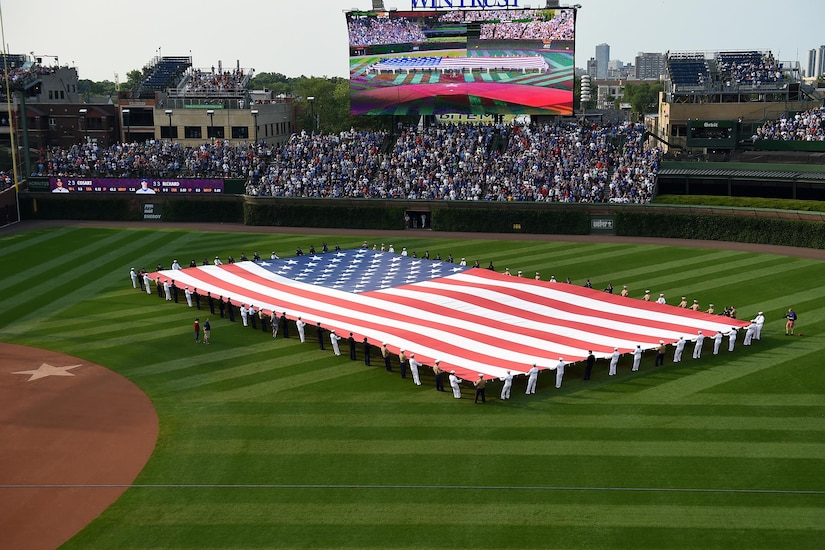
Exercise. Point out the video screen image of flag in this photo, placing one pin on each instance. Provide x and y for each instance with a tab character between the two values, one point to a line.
473	320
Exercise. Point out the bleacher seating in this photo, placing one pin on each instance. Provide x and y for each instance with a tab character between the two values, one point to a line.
164	74
688	71
748	67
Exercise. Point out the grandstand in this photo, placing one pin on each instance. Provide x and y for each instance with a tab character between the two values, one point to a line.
162	73
687	69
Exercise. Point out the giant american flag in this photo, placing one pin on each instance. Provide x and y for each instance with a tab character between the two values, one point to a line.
473	320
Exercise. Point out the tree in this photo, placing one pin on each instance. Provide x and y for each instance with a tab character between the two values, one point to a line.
133	78
643	97
276	82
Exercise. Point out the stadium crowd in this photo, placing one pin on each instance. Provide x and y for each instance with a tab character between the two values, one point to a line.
748	67
154	158
554	163
372	31
564	162
559	28
6	180
474	16
806	126
226	81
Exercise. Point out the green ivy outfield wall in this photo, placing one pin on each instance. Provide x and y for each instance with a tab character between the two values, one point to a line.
762	226
440	215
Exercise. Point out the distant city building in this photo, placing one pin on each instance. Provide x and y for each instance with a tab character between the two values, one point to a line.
810	67
591	67
650	66
602	60
819	69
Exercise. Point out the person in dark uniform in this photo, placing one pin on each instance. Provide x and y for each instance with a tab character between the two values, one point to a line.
660	354
211	303
439	381
385	353
221	307
197	298
351	342
285	325
320	336
160	289
252	315
591	360
479	384
262	315
367	349
231	310
402	362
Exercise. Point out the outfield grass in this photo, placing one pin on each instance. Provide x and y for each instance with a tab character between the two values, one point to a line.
273	444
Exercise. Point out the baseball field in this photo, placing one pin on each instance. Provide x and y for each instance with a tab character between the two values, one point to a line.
270	443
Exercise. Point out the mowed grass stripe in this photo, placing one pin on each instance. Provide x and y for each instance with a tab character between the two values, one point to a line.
462	448
506	513
224	420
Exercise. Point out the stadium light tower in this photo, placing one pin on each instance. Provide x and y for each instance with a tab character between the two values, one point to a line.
255	116
311	100
169	114
211	114
128	120
82	113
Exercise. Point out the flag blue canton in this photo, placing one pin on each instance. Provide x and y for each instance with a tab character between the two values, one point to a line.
360	270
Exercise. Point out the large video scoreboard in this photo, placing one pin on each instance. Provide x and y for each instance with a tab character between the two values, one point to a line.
144	186
502	62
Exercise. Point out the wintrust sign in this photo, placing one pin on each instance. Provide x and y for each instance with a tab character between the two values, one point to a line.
463	4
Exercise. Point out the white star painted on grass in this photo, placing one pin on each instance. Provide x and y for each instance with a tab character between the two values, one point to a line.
46	369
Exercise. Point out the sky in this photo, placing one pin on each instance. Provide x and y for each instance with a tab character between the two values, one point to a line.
104	38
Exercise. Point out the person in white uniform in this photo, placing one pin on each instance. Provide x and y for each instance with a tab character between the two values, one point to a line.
133	274
560	372
680	347
414	370
532	378
637	358
614	362
717	342
244	315
697	347
759	321
732	338
749	332
188	294
147	282
508	384
333	338
300	324
454	384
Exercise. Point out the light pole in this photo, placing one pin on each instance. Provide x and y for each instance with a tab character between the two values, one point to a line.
169	114
311	100
211	114
255	116
82	113
128	123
